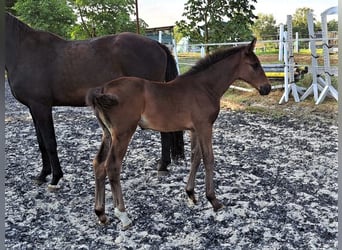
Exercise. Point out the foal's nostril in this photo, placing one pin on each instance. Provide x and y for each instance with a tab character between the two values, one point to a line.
265	89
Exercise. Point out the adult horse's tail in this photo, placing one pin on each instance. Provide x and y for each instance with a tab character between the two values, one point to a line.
174	140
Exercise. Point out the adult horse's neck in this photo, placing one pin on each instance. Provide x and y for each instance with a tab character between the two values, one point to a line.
15	31
17	34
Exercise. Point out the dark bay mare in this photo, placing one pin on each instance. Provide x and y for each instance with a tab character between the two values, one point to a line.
45	70
192	99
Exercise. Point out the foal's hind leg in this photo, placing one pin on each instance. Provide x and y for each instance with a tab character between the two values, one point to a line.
196	157
100	176
113	166
42	117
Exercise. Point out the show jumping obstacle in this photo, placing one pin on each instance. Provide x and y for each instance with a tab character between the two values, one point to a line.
318	82
193	102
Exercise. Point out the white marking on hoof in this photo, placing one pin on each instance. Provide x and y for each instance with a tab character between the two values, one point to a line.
104	221
53	187
191	203
123	217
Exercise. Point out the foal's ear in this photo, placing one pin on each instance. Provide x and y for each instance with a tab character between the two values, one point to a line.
252	45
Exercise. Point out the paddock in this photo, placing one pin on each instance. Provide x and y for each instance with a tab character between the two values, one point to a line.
275	176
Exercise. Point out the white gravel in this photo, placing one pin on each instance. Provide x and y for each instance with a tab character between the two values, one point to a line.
277	178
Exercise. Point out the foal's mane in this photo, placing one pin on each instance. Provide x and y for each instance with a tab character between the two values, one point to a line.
211	59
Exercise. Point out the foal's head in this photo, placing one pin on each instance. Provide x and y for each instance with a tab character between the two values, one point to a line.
251	70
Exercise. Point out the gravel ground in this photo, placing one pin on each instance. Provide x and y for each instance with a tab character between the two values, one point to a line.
277	177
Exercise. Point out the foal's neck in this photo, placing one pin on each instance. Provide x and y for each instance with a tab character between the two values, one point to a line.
219	76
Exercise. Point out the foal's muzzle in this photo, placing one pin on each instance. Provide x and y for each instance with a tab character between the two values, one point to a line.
265	89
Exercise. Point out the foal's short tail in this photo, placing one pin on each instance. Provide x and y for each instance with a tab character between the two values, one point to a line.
177	141
99	101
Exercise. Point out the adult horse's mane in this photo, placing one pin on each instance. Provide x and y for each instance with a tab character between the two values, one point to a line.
23	28
211	59
16	23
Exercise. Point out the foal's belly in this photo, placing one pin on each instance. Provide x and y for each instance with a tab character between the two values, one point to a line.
164	123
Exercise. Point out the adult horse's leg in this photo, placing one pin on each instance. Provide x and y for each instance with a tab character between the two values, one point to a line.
165	156
172	143
42	117
205	141
100	176
196	156
46	170
177	146
113	165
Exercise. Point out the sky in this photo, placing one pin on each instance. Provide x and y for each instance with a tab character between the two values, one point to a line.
167	12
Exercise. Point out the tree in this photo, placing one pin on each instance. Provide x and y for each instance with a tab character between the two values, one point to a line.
217	20
49	15
332	25
300	22
9	4
103	17
264	28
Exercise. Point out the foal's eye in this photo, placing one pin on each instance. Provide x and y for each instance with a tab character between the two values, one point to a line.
255	66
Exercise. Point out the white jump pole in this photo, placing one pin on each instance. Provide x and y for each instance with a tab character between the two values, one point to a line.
160	36
328	88
289	81
313	89
281	42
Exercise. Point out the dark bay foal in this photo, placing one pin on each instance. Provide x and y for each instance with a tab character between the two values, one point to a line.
193	102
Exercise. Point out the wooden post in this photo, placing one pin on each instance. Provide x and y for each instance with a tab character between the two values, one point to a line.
137	16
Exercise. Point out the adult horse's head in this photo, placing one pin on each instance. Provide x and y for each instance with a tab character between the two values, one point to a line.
252	72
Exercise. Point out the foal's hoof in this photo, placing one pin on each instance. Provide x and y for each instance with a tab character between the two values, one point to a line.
217	206
103	220
123	217
192	202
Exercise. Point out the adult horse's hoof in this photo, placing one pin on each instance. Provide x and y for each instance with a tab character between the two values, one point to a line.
39	182
162	166
162	173
53	187
40	179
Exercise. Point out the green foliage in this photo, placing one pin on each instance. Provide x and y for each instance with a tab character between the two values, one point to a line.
333	25
50	15
219	20
103	17
300	22
9	4
77	19
264	28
